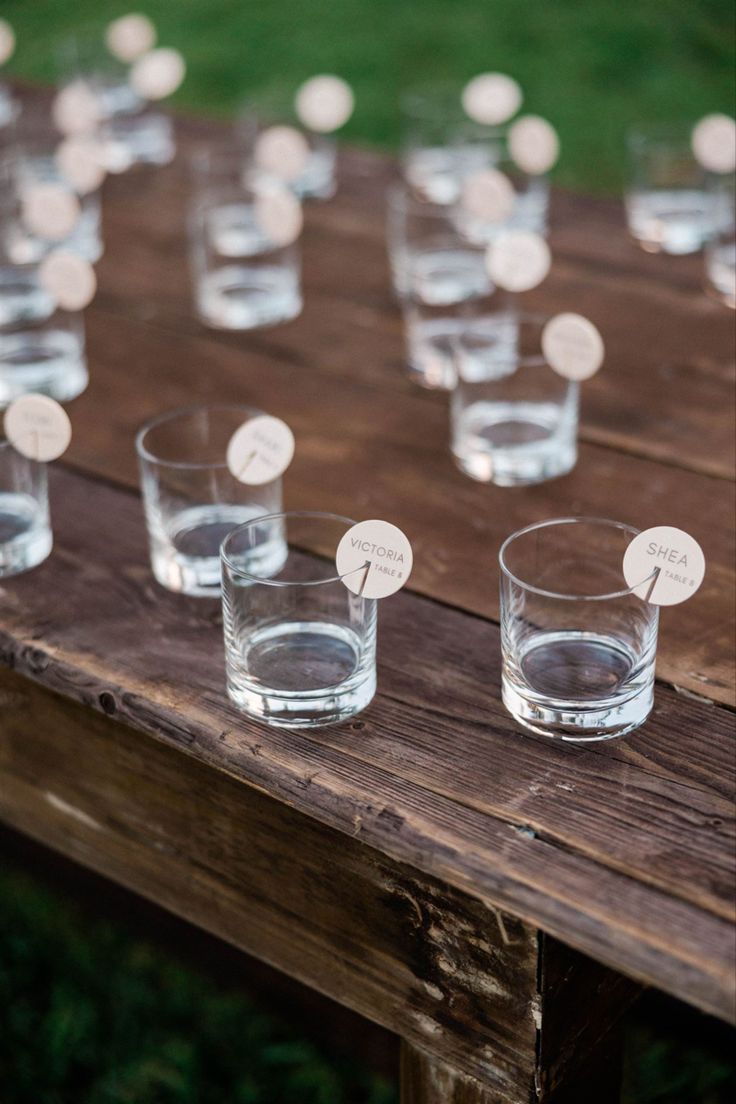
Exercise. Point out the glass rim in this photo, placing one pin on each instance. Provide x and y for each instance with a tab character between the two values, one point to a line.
320	514
572	520
170	415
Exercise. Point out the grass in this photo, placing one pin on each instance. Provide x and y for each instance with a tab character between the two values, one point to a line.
593	69
95	1014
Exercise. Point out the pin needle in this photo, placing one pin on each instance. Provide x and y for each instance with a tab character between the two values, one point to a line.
653	583
247	462
367	566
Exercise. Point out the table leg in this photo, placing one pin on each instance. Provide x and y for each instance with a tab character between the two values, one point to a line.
425	1080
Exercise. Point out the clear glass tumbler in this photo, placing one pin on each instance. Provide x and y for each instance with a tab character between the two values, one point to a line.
275	107
242	278
25	528
190	498
434	159
42	353
513	420
667	205
429	257
720	249
300	648
578	645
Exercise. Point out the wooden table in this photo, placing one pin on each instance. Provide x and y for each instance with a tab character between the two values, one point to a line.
483	893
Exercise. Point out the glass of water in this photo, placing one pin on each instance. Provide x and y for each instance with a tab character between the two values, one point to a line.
578	645
242	277
720	249
300	647
275	107
25	529
434	160
514	420
667	205
428	255
191	499
42	352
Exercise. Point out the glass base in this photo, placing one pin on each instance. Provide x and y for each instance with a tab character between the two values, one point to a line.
48	362
514	444
243	297
673	221
301	674
187	558
25	537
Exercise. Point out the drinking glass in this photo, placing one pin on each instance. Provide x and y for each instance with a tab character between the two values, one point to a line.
25	528
242	278
720	249
275	107
578	644
667	204
40	352
513	419
433	160
191	499
429	257
300	648
430	332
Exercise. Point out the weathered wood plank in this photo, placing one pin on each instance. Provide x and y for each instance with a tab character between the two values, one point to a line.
365	452
621	849
427	1080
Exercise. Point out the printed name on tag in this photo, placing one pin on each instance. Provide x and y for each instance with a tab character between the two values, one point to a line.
130	37
282	151
374	559
325	103
518	260
491	98
38	427
278	212
260	450
157	74
572	346
50	210
714	143
664	565
68	278
533	144
7	41
488	195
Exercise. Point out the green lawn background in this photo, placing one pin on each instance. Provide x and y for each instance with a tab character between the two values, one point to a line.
593	68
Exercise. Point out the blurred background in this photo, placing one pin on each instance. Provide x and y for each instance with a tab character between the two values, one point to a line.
103	999
593	69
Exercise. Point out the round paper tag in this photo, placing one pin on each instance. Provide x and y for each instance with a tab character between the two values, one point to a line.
50	210
518	260
491	98
533	144
261	450
80	160
283	151
38	427
75	109
68	278
572	346
714	143
7	41
374	559
664	565
157	74
488	195
279	215
130	37
325	103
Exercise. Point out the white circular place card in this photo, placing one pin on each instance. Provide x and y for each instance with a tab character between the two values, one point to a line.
80	160
374	559
488	195
157	74
533	144
278	212
325	103
664	565
261	450
50	210
75	109
491	98
714	143
518	260
572	346
7	41
282	151
38	427
68	278
130	37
